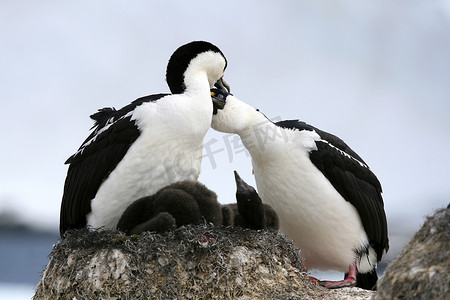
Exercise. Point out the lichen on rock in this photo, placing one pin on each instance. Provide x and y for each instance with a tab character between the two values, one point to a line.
421	269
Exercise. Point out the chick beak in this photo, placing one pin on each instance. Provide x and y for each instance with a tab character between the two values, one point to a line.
241	185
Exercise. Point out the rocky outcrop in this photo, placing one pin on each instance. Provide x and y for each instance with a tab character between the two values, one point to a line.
206	262
192	262
422	269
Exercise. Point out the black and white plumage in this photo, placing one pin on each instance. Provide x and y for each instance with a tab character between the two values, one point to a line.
152	142
328	200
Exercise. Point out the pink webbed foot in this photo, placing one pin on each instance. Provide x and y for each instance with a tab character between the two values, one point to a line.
314	280
349	281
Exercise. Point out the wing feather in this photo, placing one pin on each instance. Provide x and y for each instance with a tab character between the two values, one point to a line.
97	157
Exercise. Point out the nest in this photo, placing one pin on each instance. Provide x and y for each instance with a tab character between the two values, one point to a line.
192	262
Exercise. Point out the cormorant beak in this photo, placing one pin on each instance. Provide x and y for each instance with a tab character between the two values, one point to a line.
218	99
219	94
222	85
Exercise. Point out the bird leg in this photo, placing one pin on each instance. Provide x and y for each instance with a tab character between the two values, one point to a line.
349	281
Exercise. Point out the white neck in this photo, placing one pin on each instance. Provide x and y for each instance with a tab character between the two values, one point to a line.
261	136
203	71
196	82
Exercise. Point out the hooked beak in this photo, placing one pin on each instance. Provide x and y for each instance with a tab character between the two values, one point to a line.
219	94
222	85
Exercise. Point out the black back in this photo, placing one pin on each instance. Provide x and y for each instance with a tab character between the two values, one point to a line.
97	157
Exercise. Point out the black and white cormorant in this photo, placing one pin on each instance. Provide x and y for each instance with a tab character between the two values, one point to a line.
328	200
152	142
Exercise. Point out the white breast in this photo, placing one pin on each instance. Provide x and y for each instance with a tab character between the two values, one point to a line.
168	150
312	213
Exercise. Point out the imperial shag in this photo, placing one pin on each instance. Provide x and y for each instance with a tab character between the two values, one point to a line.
328	200
152	142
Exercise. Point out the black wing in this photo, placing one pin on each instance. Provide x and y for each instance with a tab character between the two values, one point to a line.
97	157
353	179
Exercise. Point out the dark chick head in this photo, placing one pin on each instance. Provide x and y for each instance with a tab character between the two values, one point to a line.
249	204
205	200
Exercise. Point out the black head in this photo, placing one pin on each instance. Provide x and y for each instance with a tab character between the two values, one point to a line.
179	62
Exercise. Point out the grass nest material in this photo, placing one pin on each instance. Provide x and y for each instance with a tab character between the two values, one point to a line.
192	262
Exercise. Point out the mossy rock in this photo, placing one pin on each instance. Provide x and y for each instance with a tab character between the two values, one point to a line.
422	269
192	262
